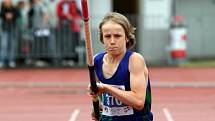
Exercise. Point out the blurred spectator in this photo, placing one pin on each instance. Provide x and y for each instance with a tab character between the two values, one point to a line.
51	8
21	24
69	17
21	20
37	15
38	24
9	16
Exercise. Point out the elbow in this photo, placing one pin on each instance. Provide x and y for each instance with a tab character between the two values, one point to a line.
139	105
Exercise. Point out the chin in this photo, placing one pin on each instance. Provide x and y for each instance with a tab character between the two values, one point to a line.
114	52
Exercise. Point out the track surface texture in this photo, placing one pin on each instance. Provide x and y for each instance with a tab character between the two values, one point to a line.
178	94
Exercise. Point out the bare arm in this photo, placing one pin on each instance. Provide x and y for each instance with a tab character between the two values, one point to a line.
138	81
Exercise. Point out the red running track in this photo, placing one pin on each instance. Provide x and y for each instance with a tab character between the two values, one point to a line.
156	74
36	104
62	103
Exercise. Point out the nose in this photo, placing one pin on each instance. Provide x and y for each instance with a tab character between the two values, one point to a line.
112	41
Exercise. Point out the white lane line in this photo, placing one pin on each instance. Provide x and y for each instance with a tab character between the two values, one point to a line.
74	115
168	114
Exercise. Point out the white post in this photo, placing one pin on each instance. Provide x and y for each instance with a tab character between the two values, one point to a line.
97	10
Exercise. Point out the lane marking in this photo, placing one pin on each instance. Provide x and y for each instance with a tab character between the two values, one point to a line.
168	114
74	115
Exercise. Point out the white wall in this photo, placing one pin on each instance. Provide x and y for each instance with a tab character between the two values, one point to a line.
153	29
157	14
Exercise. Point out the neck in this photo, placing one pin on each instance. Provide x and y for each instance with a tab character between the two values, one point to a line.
114	58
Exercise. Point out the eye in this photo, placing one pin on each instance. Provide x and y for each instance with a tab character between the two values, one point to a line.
117	35
107	36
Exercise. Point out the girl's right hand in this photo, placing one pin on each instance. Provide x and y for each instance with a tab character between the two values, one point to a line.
100	91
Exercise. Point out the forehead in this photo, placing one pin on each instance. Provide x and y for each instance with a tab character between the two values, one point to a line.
112	26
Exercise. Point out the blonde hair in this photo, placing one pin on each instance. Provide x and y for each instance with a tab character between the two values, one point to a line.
123	21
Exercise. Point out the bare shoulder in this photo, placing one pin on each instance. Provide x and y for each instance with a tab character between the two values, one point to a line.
136	58
136	55
137	62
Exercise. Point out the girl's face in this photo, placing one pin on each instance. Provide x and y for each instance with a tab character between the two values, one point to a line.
114	38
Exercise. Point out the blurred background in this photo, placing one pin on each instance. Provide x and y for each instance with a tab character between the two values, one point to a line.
49	33
43	75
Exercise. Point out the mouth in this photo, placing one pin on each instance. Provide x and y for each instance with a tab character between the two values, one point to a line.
113	48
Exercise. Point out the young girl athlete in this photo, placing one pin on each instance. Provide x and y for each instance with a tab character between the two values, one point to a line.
124	84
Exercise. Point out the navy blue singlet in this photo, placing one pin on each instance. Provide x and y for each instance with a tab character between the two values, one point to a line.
113	109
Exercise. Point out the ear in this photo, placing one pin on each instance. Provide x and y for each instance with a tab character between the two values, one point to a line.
126	39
